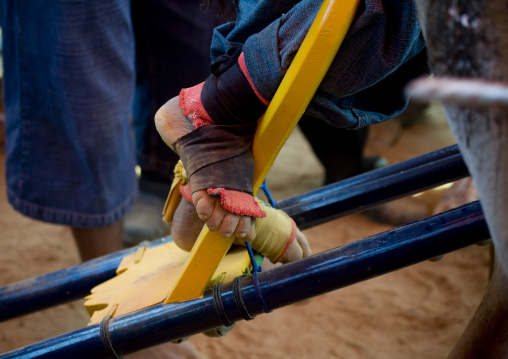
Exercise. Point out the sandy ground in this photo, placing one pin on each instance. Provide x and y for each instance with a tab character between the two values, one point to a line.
417	312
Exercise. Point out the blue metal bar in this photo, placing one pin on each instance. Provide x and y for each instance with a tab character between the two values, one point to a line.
61	286
370	189
336	200
280	286
397	168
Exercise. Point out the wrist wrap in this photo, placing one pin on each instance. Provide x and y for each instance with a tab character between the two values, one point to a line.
218	156
229	99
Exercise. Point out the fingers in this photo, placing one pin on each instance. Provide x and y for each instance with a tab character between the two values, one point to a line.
209	209
224	222
299	249
294	253
204	204
304	244
243	227
251	234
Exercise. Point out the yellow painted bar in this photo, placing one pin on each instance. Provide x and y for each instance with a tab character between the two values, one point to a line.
287	106
209	249
301	82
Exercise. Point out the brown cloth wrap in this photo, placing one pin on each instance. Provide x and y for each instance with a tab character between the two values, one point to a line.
218	156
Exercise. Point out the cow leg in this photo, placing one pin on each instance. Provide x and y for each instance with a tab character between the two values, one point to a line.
468	39
486	335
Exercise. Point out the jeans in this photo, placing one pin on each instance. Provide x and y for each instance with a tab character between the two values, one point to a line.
73	80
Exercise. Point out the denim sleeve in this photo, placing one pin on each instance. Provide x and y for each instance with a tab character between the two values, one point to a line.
364	84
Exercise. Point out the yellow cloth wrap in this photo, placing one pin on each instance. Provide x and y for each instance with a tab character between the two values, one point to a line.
174	196
274	233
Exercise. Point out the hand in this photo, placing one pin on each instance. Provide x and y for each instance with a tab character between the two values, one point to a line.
299	249
171	125
187	225
210	211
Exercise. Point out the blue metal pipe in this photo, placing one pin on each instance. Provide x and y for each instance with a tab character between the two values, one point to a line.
61	286
336	200
370	189
281	286
397	168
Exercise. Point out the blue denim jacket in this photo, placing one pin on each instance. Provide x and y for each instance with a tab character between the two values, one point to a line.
364	84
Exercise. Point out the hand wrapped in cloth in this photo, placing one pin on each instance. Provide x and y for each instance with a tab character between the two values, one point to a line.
217	153
277	236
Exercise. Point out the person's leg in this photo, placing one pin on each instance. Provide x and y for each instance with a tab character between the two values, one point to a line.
172	52
69	81
97	242
339	150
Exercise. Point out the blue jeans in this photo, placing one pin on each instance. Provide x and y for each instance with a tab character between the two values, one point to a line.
364	84
70	84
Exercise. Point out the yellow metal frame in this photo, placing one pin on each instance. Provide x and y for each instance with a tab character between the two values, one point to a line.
287	106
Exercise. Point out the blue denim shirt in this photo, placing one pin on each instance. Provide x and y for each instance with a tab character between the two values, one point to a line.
364	84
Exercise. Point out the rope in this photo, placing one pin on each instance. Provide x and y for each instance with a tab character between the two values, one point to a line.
106	338
239	299
470	92
268	194
219	304
255	270
255	267
237	293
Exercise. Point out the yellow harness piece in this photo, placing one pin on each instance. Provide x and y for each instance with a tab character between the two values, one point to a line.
174	196
143	278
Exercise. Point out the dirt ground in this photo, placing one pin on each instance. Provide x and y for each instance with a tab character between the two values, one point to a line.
417	312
